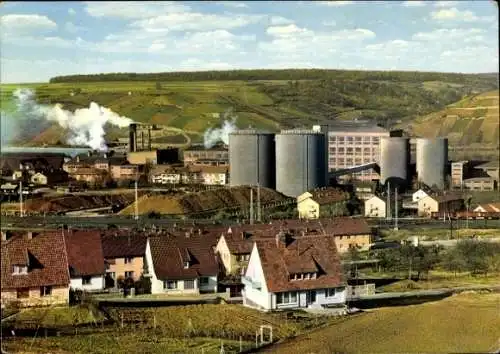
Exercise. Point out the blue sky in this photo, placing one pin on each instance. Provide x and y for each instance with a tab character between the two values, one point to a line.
40	40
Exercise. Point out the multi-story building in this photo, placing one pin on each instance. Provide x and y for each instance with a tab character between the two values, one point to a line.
216	153
354	144
458	170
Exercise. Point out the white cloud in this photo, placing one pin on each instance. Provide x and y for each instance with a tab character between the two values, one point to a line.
414	3
330	23
278	21
334	3
444	34
191	21
22	24
453	14
445	3
233	4
133	9
287	31
71	11
198	64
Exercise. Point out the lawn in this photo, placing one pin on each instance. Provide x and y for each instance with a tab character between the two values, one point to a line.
439	234
458	324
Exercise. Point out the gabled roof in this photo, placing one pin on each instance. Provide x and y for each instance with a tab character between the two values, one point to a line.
85	255
170	253
123	244
301	255
490	207
490	164
445	197
45	255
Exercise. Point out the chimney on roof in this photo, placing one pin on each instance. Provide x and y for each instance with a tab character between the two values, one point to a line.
199	232
78	159
4	235
187	234
29	235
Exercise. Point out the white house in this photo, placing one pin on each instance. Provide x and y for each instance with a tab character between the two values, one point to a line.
289	273
181	265
419	195
375	207
86	260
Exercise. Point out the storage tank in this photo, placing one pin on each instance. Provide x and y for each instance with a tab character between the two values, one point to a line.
431	158
301	161
394	161
252	158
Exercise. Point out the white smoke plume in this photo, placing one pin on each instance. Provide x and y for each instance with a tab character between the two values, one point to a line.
214	135
85	125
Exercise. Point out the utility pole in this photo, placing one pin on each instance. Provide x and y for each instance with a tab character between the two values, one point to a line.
21	211
259	211
396	216
251	205
136	205
388	208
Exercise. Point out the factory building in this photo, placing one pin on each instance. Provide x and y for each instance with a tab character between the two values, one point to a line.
217	155
301	161
154	157
252	159
394	161
432	157
140	137
354	144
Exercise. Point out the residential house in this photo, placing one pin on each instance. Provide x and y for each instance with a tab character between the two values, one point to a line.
34	269
234	251
181	265
124	171
86	260
92	176
321	203
375	207
488	208
123	255
421	193
291	273
443	204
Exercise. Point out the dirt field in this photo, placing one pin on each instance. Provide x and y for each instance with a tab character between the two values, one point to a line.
463	323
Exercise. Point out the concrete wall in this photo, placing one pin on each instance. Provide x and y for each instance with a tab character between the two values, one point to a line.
59	296
96	283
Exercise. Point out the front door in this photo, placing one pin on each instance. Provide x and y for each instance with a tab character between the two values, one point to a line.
311	297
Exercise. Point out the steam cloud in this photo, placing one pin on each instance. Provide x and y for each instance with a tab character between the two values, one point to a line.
85	126
213	135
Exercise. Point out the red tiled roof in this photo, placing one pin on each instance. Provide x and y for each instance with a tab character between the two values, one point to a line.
47	255
169	254
85	255
123	244
308	254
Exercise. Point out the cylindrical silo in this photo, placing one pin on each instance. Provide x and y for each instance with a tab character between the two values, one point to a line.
432	157
252	157
301	161
394	161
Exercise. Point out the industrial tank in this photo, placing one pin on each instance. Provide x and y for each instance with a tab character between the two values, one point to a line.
431	158
301	161
394	161
252	157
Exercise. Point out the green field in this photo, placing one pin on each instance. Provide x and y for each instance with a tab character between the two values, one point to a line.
465	323
262	99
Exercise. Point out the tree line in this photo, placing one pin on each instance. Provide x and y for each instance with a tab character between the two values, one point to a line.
285	74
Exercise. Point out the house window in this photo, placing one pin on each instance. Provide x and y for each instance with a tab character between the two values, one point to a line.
23	293
308	276
20	269
188	284
170	284
86	280
203	281
186	264
286	298
45	290
128	260
330	292
129	274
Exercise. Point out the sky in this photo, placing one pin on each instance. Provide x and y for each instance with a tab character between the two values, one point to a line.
40	40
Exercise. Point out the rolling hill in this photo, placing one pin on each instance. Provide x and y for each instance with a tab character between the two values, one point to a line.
471	123
267	99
